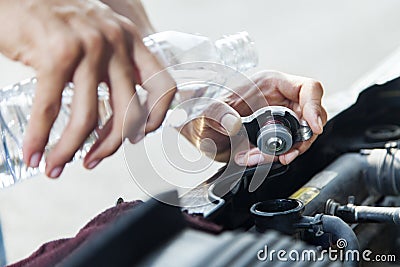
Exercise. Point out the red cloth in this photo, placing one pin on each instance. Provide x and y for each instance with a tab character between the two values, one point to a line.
51	253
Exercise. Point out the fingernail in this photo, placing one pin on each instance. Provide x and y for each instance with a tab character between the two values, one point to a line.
291	156
35	160
93	164
231	123
56	172
321	126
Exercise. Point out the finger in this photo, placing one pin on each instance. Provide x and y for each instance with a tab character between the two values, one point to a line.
121	81
315	116
44	112
123	102
52	74
246	99
253	157
289	156
158	83
304	93
84	108
297	150
91	160
83	120
222	118
310	102
275	82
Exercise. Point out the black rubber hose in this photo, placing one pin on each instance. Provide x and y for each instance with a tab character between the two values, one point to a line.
341	230
338	229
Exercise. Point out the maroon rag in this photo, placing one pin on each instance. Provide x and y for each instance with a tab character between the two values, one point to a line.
53	252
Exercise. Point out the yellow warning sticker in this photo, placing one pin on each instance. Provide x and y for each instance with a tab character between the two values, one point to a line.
305	194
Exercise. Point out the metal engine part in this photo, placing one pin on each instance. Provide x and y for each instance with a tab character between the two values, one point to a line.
234	249
275	129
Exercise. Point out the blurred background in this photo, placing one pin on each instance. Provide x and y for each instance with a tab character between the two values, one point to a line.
336	42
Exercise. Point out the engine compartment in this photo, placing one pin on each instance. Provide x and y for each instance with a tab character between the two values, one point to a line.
356	161
341	195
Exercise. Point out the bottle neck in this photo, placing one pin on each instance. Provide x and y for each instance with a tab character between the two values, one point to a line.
238	51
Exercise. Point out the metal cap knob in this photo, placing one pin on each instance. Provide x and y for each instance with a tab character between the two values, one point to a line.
274	139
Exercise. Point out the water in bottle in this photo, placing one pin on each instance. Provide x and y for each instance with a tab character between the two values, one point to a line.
188	57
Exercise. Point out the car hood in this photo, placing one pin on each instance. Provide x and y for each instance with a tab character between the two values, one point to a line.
386	71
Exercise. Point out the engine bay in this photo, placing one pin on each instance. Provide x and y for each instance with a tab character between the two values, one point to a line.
339	203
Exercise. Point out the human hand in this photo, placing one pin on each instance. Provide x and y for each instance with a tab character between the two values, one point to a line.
133	10
221	122
87	43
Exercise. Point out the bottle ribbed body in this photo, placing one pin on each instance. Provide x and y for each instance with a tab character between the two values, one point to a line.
15	106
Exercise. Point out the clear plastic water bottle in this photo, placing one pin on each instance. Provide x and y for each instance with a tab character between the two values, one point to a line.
171	48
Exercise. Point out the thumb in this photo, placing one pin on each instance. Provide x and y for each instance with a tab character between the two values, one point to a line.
315	115
222	118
